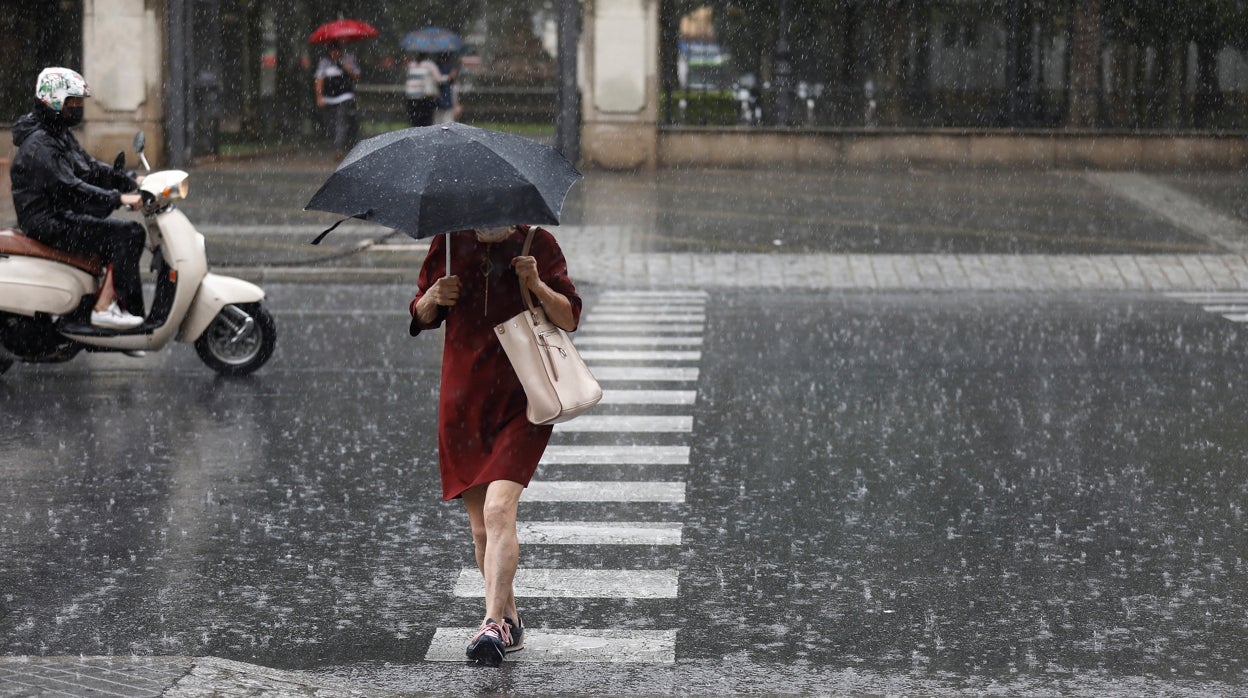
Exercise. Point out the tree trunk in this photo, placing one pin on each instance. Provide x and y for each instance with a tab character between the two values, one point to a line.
1208	93
1174	61
917	84
1117	85
893	26
1085	68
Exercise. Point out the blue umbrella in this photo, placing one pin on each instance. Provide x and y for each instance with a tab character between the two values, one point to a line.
432	40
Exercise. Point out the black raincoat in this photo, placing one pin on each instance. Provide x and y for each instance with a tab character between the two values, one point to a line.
52	174
63	198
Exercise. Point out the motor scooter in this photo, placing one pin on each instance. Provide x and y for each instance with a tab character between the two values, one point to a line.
46	295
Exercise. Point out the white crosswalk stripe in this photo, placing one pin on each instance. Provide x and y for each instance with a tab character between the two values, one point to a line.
653	318
600	356
578	584
662	295
625	341
620	455
569	645
627	423
632	374
1209	296
636	329
598	533
1231	305
599	491
629	339
648	397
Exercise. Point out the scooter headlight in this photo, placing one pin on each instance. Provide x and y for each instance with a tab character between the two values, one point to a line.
168	185
177	192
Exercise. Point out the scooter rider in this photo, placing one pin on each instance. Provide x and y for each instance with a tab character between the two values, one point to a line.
63	196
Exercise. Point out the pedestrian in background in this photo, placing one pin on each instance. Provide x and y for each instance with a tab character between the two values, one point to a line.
336	75
487	448
422	89
448	97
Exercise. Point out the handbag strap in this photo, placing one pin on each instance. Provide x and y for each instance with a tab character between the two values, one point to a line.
524	290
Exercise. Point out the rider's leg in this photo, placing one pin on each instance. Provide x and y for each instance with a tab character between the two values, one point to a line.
108	292
123	243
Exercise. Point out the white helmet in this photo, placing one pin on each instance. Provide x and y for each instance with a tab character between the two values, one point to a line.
57	84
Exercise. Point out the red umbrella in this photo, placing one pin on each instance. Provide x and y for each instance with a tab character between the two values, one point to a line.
342	30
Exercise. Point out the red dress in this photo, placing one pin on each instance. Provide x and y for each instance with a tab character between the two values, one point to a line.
483	434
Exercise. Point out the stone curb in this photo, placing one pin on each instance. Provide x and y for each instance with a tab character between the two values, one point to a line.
857	272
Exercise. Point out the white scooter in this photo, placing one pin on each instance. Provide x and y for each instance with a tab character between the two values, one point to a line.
46	295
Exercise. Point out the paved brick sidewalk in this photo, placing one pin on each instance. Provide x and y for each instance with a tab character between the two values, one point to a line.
167	677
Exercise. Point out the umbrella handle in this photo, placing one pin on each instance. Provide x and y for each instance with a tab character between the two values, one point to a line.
447	238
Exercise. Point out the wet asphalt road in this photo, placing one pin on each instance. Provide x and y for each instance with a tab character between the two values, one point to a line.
887	493
253	209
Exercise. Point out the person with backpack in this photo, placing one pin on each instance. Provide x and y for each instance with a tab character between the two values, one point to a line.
422	89
336	75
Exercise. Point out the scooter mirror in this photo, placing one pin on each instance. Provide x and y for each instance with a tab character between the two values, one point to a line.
140	142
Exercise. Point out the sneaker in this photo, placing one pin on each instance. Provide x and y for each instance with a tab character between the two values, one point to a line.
114	318
516	629
489	645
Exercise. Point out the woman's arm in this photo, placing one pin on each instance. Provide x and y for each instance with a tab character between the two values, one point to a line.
557	306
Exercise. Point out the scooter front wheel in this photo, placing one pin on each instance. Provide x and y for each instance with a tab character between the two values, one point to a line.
239	340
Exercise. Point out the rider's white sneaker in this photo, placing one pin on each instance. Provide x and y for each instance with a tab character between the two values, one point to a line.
114	318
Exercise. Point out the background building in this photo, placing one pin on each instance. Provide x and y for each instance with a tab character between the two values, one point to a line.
203	75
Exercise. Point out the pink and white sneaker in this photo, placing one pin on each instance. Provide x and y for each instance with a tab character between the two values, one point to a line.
516	629
489	645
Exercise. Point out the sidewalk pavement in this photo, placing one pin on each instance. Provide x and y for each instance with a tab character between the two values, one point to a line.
880	229
166	677
598	261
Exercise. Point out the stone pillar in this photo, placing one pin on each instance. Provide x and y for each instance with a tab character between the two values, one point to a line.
621	84
123	45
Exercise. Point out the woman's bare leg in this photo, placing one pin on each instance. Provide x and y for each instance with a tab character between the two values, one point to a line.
492	514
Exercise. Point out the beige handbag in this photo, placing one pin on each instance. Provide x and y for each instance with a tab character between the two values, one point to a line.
556	380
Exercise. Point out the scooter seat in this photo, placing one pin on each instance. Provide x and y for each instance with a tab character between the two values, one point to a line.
13	242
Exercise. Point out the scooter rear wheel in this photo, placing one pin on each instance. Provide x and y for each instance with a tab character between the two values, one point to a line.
229	350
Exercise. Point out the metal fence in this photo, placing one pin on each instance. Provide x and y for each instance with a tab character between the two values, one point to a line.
927	63
848	107
385	103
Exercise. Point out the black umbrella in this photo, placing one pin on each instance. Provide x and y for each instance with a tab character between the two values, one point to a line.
436	179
